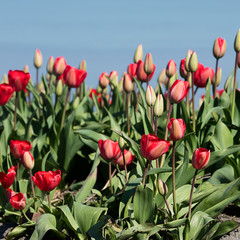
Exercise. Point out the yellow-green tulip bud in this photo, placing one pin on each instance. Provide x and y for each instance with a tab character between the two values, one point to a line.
59	88
50	65
26	69
237	42
120	85
76	103
148	64
193	62
122	143
219	77
150	96
162	77
189	54
38	59
5	78
162	188
138	54
83	65
159	105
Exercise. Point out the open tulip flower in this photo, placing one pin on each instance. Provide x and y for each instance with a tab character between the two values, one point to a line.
153	147
201	157
132	70
18	201
47	181
6	92
7	179
18	147
109	149
201	76
18	79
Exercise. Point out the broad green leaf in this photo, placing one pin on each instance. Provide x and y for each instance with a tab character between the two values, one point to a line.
142	93
95	136
225	227
159	170
175	223
143	204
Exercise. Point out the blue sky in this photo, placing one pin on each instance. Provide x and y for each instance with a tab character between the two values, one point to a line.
106	33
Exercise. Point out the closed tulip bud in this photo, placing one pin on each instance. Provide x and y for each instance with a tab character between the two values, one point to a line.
127	83
50	65
162	188
182	69
42	99
177	129
228	81
193	62
59	89
150	96
219	47
238	60
178	91
76	103
138	54
189	54
59	66
122	143
38	59
141	75
171	68
219	77
5	78
99	89
103	81
162	77
128	159
41	87
159	105
83	65
148	64
120	84
200	158
114	78
109	149
26	69
27	160
237	42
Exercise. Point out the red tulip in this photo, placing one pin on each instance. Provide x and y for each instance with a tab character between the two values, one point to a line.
59	66
220	92
219	47
6	92
109	149
177	129
18	79
47	181
7	179
73	77
171	68
18	147
92	92
201	76
132	70
196	74
128	159
200	158
178	91
141	75
182	70
103	81
153	147
18	201
10	193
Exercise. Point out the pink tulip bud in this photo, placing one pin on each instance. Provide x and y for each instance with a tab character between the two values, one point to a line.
148	64
171	68
127	83
138	54
132	69
200	158
38	59
103	81
177	129
219	47
128	159
141	75
162	77
27	160
109	149
178	91
50	65
182	70
59	66
153	147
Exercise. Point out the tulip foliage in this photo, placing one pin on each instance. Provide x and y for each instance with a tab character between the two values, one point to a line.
121	161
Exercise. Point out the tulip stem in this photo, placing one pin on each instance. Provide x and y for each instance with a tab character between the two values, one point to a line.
65	106
173	180
190	200
169	211
125	166
234	85
49	201
166	132
128	120
110	176
49	83
144	174
15	112
187	100
33	191
37	79
193	106
215	83
152	117
24	214
156	121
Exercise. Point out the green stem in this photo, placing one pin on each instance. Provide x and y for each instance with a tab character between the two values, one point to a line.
37	79
110	176
128	119
234	86
193	106
173	180
187	99
49	201
156	121
191	194
165	200
32	185
64	110
144	174
125	166
215	84
24	214
15	112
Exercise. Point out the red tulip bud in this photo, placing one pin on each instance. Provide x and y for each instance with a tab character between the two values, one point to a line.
109	149
127	83
128	159
59	66
219	47
178	91
171	68
182	70
19	147
200	158
27	160
177	129
103	81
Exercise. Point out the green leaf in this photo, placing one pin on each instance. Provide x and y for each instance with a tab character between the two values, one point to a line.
142	93
159	170
175	223
143	204
47	222
17	232
225	227
95	136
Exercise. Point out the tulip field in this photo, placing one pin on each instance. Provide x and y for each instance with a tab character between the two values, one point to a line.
124	160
